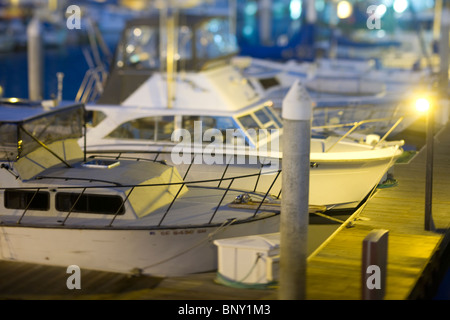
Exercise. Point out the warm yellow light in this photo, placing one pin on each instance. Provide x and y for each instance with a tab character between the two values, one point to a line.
344	9
13	100
422	105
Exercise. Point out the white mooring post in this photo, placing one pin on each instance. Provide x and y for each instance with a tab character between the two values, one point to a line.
296	113
35	60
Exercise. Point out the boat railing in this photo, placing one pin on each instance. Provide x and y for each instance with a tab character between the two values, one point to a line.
92	85
95	77
123	155
197	183
354	126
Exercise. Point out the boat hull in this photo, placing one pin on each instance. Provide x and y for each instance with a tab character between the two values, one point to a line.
150	251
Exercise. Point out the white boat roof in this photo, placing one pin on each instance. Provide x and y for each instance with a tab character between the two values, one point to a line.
17	111
132	111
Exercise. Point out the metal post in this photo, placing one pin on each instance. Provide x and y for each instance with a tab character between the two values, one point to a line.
442	117
265	22
297	110
35	60
60	77
443	85
444	47
429	225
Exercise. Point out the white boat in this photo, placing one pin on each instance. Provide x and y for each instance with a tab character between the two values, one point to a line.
58	207
363	72
136	114
343	90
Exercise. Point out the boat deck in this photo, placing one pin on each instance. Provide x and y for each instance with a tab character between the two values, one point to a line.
416	258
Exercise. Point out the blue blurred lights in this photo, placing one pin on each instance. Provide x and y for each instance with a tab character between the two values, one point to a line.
251	8
380	11
400	5
295	8
344	9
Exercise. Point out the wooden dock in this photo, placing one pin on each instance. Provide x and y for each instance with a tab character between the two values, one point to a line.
416	257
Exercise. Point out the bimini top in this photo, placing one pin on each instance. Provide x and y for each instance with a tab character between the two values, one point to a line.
201	43
199	39
25	125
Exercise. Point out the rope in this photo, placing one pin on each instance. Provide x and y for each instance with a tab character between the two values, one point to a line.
258	256
221	279
329	217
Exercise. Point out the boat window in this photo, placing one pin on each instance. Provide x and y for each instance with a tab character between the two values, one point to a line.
140	48
51	128
21	199
184	43
89	203
143	128
262	116
274	116
8	141
209	122
269	82
248	122
158	128
215	40
94	117
164	128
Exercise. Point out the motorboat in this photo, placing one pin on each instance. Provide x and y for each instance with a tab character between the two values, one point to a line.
343	90
61	207
209	121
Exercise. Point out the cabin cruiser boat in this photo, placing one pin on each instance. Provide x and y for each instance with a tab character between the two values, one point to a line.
343	90
208	120
60	207
350	76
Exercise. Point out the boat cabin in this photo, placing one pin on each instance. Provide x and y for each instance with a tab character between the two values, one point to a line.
251	126
203	42
44	171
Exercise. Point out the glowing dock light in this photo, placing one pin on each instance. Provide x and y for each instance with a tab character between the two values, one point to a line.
422	105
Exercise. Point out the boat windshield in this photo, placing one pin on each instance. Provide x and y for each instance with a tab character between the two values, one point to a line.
215	40
263	118
207	128
139	47
15	139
